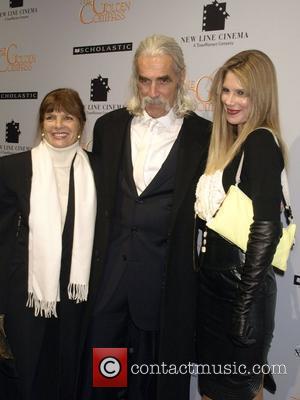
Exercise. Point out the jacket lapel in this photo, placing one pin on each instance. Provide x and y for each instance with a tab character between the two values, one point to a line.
127	163
166	171
113	158
192	156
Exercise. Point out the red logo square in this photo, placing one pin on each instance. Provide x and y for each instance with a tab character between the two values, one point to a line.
109	367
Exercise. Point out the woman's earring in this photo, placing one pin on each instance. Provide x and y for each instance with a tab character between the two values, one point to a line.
78	136
43	133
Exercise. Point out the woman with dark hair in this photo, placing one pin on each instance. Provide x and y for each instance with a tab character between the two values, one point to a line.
47	219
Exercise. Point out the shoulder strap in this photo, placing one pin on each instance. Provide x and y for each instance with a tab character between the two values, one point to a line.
285	186
286	197
239	171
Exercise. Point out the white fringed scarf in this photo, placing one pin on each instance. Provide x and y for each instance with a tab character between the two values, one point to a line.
45	232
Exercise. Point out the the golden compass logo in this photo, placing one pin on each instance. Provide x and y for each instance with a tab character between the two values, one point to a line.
103	11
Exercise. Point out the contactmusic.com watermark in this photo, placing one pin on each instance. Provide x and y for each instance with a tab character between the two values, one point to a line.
110	368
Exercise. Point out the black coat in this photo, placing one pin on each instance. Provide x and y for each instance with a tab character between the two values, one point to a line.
25	332
178	314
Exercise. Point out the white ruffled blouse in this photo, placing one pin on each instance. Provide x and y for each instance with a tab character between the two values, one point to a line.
209	195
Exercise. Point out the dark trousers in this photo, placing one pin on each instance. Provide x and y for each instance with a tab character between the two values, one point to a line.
9	381
112	326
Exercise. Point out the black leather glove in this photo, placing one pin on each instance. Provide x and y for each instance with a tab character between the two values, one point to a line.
5	351
263	239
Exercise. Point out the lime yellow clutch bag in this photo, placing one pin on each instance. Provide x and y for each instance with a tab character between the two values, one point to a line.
233	219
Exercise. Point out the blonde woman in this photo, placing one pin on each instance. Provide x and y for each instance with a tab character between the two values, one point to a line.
238	291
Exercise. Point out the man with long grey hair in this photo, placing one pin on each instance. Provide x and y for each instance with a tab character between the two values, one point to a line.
152	154
155	46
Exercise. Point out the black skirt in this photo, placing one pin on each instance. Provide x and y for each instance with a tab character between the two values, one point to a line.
225	371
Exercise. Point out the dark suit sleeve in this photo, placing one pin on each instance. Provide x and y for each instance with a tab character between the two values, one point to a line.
97	136
8	231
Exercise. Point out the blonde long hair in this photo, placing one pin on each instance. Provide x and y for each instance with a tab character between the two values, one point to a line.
257	75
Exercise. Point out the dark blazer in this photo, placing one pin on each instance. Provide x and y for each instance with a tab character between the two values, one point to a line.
25	332
178	313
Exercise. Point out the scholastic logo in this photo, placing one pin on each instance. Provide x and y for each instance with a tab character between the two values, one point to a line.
18	95
102	48
110	367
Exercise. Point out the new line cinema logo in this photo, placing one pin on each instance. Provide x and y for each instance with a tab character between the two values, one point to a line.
214	16
16	10
215	19
11	139
99	91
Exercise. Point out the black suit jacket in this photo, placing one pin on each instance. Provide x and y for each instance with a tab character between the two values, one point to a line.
25	331
178	313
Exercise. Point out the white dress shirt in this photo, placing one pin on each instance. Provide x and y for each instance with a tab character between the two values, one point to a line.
151	142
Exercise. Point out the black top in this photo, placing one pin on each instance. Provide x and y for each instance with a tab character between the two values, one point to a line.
261	174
